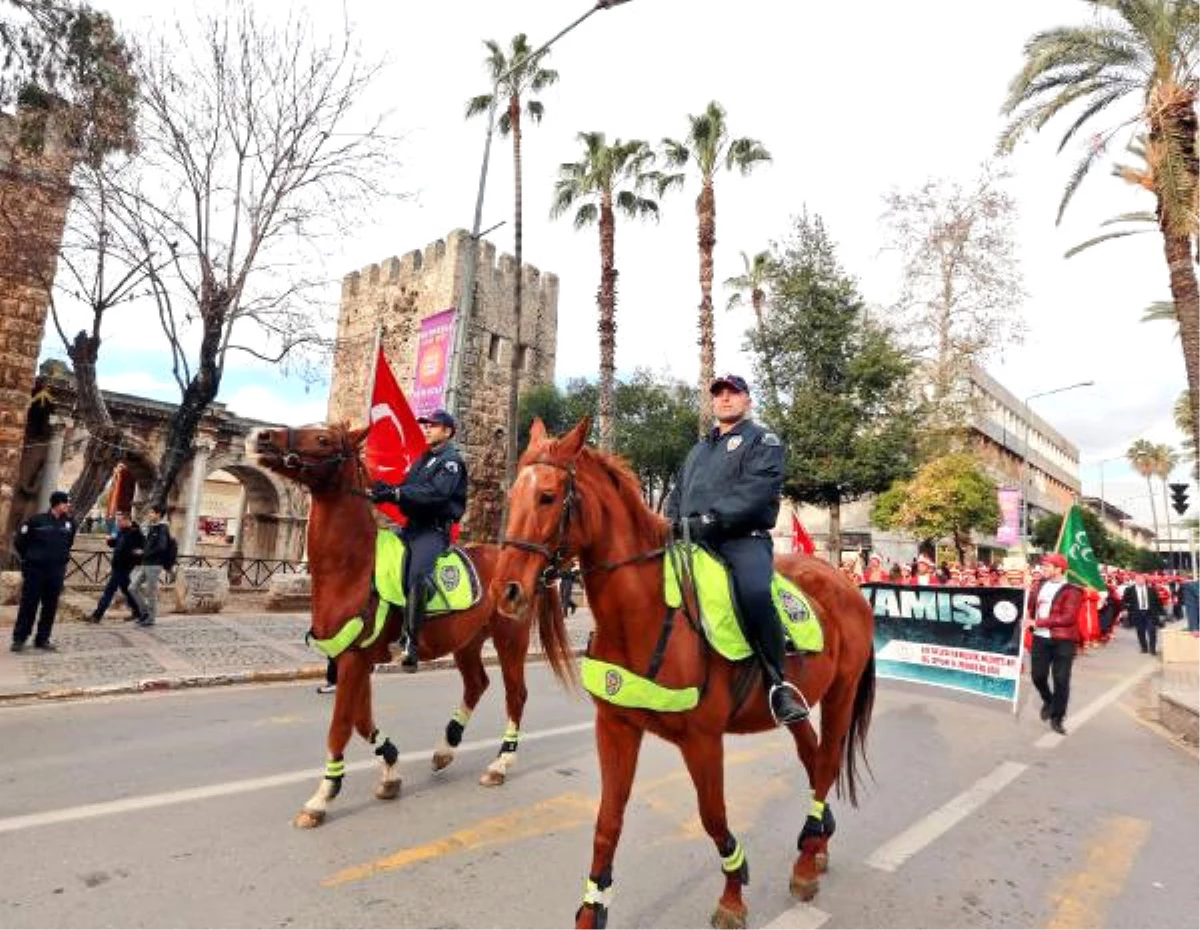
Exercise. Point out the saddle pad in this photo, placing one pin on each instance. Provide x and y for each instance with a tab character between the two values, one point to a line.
718	612
456	583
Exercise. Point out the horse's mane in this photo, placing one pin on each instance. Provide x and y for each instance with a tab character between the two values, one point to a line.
602	473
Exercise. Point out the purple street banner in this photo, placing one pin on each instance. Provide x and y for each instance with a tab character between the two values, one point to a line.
1009	500
433	362
966	639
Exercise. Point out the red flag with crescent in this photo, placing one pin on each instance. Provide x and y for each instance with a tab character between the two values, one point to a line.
395	440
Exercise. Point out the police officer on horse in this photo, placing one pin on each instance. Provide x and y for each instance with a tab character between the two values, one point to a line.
727	497
432	496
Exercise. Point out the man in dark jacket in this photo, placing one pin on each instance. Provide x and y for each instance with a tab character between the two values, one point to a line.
432	496
126	544
1053	610
156	558
1144	607
727	496
44	544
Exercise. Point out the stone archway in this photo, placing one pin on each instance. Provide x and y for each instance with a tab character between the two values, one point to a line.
270	525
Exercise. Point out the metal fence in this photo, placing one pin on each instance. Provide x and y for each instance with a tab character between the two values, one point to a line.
93	568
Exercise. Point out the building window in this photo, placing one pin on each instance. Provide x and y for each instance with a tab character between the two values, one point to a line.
494	348
523	357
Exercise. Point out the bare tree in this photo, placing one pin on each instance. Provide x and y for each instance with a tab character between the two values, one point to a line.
961	290
253	152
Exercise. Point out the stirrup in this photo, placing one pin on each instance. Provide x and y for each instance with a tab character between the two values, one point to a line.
804	715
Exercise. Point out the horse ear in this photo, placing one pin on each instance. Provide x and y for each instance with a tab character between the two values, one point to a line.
571	443
356	437
537	431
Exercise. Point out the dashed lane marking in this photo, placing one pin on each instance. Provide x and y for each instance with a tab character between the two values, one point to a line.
800	917
242	786
896	851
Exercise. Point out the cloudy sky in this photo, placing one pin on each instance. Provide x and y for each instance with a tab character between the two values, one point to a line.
852	101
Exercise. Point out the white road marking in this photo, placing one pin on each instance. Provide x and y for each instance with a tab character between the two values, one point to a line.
1052	739
896	851
800	917
243	786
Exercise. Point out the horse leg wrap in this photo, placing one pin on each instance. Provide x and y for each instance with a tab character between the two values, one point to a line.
812	829
827	822
597	893
508	750
454	733
733	860
388	752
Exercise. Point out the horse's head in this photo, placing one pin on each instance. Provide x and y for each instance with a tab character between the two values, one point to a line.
543	532
316	455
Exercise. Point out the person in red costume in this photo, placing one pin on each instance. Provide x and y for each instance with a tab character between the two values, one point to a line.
925	573
1053	608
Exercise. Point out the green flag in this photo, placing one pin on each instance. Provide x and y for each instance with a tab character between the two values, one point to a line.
1082	567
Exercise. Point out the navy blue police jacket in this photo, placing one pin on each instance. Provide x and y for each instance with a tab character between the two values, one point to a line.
434	492
737	478
44	542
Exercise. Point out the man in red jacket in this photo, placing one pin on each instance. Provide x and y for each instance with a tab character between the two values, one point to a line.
1053	609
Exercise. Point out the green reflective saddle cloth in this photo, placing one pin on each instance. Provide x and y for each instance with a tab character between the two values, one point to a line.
718	611
456	583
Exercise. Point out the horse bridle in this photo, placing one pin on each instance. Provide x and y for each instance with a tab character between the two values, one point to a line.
290	457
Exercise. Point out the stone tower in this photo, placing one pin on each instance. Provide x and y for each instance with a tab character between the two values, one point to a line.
396	295
35	191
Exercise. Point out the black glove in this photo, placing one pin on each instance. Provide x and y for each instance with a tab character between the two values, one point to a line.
382	493
699	526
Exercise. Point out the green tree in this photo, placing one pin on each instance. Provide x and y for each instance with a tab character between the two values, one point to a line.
709	145
1140	50
1045	535
558	409
607	177
845	411
1163	460
516	76
948	498
1142	456
751	287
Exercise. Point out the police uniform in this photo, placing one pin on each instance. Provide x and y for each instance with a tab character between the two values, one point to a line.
730	486
432	496
44	544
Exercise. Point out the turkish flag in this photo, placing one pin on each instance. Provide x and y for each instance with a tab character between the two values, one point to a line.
801	541
395	440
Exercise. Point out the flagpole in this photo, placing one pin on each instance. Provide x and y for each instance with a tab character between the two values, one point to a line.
374	369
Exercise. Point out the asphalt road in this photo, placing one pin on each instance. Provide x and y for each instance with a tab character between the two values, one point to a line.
174	810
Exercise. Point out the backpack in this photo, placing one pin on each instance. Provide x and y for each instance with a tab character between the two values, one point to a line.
171	556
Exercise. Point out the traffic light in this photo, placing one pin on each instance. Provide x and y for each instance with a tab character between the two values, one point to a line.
1179	498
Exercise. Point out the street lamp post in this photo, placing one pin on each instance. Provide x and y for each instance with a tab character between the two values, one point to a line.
467	299
1025	463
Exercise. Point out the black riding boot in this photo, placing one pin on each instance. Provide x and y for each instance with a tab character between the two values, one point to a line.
416	615
787	704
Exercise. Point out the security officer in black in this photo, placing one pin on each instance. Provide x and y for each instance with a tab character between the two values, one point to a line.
44	544
728	495
432	496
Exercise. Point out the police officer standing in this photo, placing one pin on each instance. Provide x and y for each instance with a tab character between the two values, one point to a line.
728	497
432	496
44	544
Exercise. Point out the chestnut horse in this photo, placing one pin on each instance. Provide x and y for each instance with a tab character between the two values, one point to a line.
341	555
570	500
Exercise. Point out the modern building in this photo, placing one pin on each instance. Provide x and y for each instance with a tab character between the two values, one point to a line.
1118	523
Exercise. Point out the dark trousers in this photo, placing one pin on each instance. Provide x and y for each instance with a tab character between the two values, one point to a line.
751	560
424	546
118	580
1051	659
1147	632
42	588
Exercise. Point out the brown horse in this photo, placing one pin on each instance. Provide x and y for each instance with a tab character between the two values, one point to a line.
341	555
570	500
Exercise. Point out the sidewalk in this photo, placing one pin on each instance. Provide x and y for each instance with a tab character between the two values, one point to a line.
182	651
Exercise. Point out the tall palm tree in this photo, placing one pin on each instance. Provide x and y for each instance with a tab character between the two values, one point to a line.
753	282
709	145
516	76
1132	49
607	177
1163	460
1142	456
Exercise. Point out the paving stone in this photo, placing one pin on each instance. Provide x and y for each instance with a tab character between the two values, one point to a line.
89	667
192	634
210	658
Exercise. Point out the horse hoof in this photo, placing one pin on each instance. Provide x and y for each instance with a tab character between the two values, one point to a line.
822	861
441	759
490	779
727	918
388	790
308	820
804	888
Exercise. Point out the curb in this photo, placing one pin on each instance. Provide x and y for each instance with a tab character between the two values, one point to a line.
258	676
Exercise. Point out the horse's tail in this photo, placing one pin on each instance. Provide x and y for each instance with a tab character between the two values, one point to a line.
856	736
552	632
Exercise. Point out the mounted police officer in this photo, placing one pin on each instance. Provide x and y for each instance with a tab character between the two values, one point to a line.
44	544
728	497
432	496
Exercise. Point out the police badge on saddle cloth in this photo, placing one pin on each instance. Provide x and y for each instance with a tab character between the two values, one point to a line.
455	582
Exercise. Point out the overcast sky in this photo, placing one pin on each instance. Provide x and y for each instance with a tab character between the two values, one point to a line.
851	100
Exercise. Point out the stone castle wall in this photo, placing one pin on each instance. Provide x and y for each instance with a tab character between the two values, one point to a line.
396	295
35	192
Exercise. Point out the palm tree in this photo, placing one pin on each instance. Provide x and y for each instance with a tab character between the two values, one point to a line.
710	146
753	282
607	176
515	76
1142	456
1133	49
1163	460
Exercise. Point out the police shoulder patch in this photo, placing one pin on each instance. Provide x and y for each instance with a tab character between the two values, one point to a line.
770	439
452	466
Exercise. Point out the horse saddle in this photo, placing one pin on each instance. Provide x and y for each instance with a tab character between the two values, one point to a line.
455	580
718	609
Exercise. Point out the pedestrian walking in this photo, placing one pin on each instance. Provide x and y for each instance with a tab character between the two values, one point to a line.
1189	595
127	544
1144	608
330	678
157	556
44	544
1053	607
566	588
